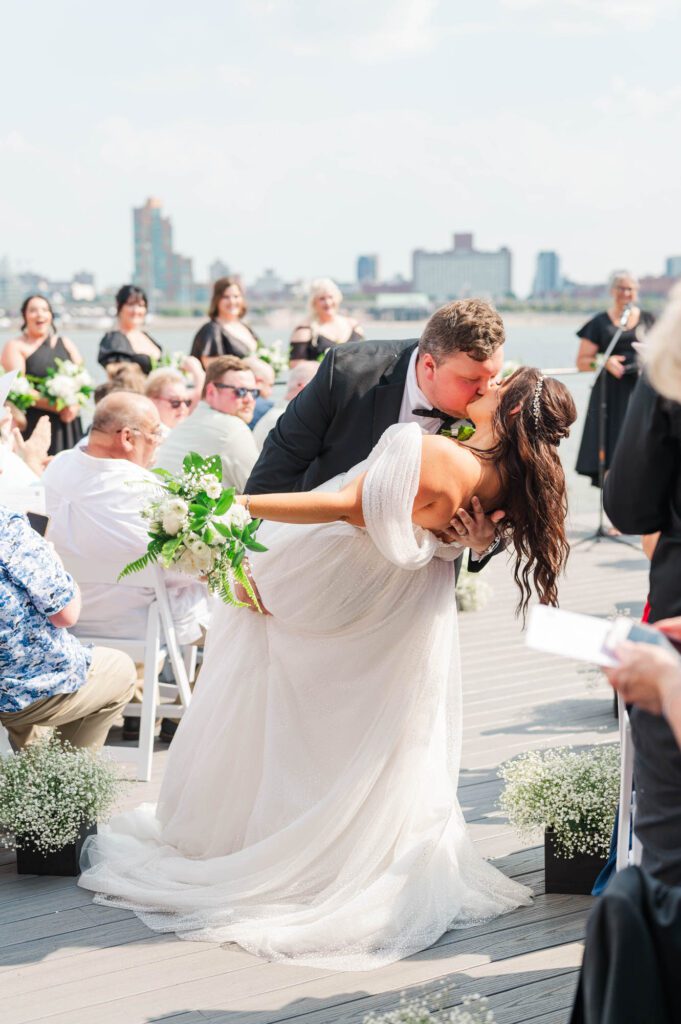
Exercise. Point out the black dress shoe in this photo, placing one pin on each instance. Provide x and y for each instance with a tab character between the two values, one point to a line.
131	728
168	729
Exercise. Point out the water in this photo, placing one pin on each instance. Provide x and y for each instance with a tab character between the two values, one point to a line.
548	342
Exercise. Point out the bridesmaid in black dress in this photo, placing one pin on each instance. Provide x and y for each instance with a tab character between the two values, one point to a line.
226	333
129	343
620	372
35	352
326	327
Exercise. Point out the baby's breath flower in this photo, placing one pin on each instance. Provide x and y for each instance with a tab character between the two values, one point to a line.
573	793
49	790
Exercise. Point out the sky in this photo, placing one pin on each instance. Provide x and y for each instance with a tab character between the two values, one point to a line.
296	135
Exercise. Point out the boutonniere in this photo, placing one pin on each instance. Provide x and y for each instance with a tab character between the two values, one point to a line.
462	433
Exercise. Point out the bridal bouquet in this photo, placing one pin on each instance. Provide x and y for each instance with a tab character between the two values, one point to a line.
21	394
197	528
275	355
65	384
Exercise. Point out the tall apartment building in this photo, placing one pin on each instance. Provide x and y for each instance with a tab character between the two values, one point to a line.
547	279
462	271
672	266
367	269
163	274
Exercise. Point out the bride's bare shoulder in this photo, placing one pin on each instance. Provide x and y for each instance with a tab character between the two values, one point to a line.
446	469
443	452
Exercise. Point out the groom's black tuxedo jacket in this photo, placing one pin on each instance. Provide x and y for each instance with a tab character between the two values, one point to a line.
336	419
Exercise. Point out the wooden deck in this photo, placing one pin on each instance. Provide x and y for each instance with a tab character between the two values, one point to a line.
66	961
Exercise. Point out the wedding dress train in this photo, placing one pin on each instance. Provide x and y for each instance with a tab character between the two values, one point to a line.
309	810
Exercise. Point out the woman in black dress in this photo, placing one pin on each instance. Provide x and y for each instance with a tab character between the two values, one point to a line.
35	352
225	334
325	327
129	343
620	373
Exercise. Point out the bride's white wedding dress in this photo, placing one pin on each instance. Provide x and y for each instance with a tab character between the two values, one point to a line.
309	808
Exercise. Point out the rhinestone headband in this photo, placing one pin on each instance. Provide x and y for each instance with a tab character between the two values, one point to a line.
536	408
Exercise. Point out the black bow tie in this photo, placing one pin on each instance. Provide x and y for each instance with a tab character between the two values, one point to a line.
434	414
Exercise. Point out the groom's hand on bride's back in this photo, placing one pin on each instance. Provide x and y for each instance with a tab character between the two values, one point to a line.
477	531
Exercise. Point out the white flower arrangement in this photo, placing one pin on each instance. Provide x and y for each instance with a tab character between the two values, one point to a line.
474	1010
197	528
275	355
573	793
22	394
472	593
50	790
65	384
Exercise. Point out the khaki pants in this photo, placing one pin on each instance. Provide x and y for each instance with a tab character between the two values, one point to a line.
84	717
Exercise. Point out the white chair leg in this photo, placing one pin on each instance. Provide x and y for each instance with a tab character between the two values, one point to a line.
189	653
149	696
626	783
5	745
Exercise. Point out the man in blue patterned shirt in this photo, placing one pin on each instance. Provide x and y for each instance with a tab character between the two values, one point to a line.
47	678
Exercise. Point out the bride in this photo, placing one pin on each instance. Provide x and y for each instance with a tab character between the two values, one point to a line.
309	809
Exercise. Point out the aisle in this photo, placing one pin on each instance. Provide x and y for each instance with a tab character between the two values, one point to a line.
65	961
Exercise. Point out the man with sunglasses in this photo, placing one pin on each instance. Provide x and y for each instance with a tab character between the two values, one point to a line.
219	424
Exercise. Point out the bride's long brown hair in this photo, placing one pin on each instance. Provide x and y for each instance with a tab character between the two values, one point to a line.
533	416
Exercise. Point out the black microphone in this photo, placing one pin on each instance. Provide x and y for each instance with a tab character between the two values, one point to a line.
626	313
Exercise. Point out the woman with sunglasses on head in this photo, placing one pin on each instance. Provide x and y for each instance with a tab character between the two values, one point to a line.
621	371
34	353
129	343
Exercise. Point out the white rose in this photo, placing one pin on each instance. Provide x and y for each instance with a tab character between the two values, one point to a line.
237	515
177	506
185	563
202	555
213	488
172	523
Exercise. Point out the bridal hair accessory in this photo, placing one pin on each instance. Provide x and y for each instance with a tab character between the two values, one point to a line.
536	409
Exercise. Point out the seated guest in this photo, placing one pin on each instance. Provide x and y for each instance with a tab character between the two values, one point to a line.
47	679
129	343
94	496
264	381
220	424
298	377
168	391
650	677
226	333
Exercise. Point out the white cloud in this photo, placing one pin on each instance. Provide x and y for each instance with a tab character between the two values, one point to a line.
591	16
407	29
628	100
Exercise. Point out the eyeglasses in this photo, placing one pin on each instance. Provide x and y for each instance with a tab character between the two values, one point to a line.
239	392
153	435
175	403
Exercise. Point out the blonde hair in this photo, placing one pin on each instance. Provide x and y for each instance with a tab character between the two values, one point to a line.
663	349
622	275
322	286
159	379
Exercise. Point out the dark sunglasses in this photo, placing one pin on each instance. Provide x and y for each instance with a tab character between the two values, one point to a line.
175	403
239	392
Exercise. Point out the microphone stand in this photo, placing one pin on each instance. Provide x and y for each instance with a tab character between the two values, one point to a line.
600	379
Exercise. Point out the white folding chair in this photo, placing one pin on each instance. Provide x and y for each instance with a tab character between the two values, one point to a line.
160	639
5	745
627	805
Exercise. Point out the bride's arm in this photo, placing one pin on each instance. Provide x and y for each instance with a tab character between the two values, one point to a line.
309	506
439	496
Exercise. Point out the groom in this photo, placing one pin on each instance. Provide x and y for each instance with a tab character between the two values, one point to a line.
363	388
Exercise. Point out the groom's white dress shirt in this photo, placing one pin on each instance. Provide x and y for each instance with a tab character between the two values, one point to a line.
94	507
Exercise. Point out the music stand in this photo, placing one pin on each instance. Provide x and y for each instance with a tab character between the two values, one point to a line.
600	379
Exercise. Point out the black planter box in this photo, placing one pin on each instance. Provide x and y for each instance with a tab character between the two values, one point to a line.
575	876
65	861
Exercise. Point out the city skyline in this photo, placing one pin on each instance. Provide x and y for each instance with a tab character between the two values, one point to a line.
295	136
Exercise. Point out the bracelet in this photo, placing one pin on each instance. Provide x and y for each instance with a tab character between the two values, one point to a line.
489	550
247	503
